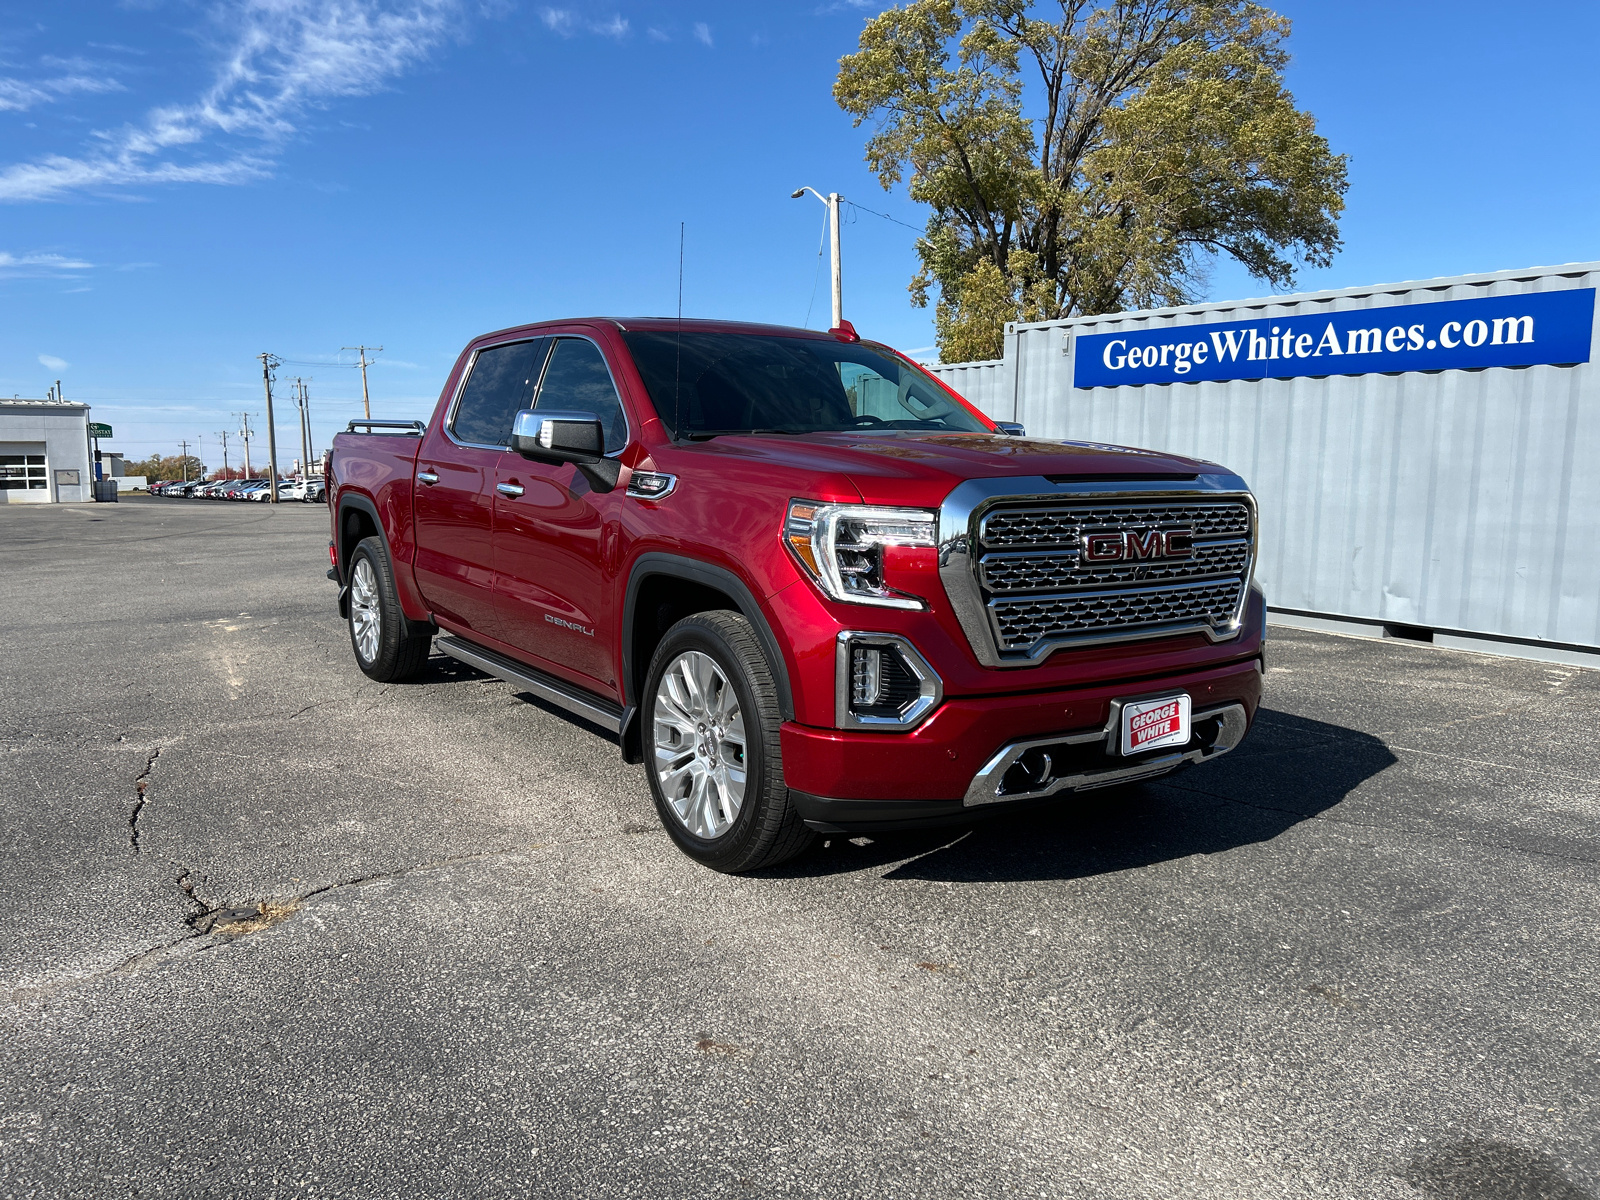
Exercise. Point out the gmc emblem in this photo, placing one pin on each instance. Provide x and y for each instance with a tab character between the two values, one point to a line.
1134	544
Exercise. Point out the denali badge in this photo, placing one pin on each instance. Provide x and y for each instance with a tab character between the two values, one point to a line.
572	625
1135	544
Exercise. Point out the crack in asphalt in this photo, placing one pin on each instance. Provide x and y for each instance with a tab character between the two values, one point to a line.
210	927
141	783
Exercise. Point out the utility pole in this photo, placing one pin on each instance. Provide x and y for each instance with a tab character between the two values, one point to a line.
831	202
268	362
305	402
184	461
305	428
366	401
223	434
244	435
200	452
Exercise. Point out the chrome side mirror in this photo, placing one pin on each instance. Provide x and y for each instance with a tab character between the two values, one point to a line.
1011	428
566	437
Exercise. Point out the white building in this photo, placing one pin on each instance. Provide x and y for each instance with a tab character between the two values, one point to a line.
44	452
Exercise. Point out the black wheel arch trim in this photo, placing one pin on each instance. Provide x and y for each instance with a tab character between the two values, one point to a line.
346	547
723	580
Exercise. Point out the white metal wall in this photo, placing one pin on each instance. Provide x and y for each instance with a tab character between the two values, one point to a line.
1465	500
62	429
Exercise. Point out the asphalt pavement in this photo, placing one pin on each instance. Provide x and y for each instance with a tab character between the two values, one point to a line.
1356	958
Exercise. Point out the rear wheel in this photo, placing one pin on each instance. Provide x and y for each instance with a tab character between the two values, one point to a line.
385	650
713	756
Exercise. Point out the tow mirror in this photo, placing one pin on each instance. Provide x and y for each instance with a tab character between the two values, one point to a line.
566	437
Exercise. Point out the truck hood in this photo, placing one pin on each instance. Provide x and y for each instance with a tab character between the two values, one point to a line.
922	468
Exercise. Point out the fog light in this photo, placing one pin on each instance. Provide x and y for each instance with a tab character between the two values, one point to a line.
866	676
882	683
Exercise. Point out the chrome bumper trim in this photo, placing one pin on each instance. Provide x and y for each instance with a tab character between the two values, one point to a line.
985	786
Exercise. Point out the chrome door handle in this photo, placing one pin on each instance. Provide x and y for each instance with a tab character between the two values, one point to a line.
508	489
427	477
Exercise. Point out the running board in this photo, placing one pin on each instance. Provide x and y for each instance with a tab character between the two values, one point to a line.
575	700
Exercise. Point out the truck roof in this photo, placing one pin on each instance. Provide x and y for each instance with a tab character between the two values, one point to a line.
671	325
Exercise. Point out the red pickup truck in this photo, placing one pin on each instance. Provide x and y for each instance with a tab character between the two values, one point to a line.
803	582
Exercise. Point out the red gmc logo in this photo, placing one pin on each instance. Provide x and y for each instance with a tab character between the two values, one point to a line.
1132	545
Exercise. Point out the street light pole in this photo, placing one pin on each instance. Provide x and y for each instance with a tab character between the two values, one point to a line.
831	202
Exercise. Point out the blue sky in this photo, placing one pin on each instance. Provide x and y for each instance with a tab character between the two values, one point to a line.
185	184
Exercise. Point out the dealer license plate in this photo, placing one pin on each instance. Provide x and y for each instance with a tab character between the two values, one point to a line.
1151	724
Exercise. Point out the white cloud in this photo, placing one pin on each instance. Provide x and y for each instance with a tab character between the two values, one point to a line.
67	76
35	266
564	22
54	363
702	32
658	35
280	58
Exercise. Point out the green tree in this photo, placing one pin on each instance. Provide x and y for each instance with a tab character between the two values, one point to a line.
171	467
1091	164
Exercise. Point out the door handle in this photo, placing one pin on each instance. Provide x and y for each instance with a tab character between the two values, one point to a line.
509	489
427	477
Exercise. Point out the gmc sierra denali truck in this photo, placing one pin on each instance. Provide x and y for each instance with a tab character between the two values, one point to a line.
803	582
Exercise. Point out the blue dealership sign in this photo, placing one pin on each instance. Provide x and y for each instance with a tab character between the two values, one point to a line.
1495	331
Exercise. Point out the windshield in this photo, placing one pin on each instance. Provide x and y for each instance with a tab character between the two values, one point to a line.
710	383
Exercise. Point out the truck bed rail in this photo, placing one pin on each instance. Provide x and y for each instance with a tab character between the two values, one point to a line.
387	428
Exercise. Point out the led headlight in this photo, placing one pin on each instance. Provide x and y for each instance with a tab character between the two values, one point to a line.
841	547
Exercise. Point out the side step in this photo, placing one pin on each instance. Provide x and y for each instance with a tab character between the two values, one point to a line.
598	709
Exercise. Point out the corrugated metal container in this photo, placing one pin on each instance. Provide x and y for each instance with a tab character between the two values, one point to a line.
1465	500
986	384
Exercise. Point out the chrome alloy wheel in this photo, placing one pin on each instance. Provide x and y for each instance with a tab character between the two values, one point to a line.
700	759
366	619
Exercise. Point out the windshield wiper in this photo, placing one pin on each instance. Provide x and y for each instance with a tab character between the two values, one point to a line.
701	435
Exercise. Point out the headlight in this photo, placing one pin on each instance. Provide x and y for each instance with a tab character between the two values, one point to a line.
841	547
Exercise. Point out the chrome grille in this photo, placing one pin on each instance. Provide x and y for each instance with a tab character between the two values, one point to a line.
1038	572
1021	623
1064	526
1037	588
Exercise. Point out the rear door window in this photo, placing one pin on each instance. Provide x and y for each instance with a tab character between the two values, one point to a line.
577	380
503	380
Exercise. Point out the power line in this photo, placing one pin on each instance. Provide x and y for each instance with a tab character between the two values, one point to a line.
816	275
885	216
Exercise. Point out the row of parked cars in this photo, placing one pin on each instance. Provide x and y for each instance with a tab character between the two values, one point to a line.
309	490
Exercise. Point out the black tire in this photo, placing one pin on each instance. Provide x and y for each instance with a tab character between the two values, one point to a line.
393	655
766	830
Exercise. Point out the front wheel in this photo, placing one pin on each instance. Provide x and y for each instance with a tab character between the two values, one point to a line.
385	651
713	756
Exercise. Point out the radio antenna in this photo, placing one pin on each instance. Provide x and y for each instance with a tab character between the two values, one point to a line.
677	368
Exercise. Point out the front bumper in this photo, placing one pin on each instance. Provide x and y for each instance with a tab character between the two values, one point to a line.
955	764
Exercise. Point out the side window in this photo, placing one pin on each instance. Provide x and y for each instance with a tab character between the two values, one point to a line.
577	380
870	394
501	383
